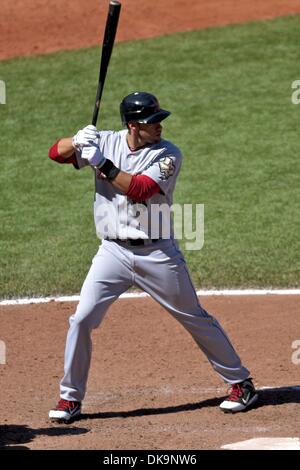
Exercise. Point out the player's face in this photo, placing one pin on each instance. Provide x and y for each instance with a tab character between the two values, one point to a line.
150	133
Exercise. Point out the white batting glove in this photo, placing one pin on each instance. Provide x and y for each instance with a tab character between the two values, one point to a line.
86	136
92	154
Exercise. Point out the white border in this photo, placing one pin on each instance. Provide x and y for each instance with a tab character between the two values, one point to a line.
136	295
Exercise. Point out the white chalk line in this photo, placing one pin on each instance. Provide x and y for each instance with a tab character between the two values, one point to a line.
168	390
137	295
287	388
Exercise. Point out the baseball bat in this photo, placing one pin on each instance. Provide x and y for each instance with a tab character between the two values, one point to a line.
107	47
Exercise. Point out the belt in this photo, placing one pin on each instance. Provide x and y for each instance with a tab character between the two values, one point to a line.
135	241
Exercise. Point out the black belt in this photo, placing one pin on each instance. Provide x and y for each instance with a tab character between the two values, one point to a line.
135	241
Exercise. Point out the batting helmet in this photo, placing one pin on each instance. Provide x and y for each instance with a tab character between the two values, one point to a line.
142	107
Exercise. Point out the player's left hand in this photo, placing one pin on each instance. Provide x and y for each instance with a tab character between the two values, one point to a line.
93	155
86	136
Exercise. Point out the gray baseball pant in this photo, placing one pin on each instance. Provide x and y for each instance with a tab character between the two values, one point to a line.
160	270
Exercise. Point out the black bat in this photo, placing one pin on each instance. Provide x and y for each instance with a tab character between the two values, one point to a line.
107	47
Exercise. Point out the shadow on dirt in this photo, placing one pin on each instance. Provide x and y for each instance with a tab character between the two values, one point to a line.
267	397
278	396
212	402
12	435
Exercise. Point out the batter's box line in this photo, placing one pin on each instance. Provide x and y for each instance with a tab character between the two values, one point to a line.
2	353
283	388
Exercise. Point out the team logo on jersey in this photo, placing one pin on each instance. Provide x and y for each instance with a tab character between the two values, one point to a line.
167	168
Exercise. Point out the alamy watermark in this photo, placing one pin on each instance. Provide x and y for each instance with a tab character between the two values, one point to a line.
296	353
2	353
125	220
2	92
296	94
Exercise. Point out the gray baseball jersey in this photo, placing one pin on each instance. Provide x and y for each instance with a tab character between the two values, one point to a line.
115	215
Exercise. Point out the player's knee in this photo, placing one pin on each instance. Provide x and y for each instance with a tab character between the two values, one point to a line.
80	321
86	318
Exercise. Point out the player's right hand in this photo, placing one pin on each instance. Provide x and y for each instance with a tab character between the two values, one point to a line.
92	154
86	136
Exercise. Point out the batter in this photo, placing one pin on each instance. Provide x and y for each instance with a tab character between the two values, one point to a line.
136	170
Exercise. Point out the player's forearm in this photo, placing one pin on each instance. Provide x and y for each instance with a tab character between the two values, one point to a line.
65	147
67	157
122	181
136	187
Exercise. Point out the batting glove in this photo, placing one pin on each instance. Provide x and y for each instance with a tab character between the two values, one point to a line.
92	154
86	136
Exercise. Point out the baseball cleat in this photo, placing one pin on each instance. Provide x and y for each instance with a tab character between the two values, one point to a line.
242	395
65	411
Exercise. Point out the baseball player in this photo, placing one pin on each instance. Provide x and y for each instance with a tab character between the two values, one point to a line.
135	171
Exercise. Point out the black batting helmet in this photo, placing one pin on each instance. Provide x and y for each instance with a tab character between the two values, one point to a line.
142	107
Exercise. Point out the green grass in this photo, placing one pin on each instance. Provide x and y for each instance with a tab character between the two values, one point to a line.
229	90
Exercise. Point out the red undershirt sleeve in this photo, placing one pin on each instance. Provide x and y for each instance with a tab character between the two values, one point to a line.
142	187
55	156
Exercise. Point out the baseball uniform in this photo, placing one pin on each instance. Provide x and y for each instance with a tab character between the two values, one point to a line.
135	175
155	265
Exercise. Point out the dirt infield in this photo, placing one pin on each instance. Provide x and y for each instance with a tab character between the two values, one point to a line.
149	386
36	26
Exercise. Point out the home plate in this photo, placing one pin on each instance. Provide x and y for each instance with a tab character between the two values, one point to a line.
266	443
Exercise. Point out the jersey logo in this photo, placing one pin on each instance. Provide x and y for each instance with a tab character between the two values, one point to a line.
167	168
